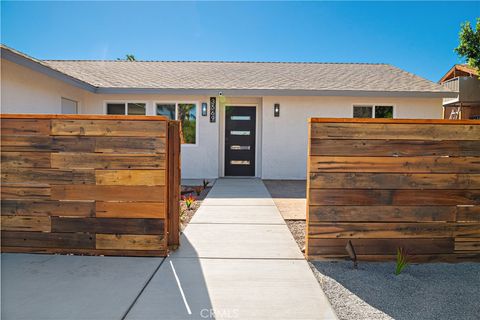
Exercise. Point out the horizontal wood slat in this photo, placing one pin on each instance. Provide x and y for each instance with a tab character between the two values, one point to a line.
48	208
384	148
47	144
25	192
48	239
88	251
467	245
354	180
468	213
105	225
119	128
87	184
25	223
383	246
129	242
107	161
393	230
30	127
142	145
394	197
390	131
130	210
387	183
108	193
130	177
47	176
454	257
382	213
25	160
395	164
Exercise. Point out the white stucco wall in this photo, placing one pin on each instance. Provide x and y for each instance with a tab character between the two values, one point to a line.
198	161
27	91
284	150
281	142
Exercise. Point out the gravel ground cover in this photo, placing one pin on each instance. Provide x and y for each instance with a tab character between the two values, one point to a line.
297	228
186	214
423	291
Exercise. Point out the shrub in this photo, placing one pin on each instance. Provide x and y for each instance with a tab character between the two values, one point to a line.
198	190
206	183
402	260
189	201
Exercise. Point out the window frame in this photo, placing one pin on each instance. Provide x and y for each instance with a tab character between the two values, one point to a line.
77	105
176	103
125	103
373	105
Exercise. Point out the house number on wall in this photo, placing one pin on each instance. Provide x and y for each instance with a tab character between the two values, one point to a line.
213	102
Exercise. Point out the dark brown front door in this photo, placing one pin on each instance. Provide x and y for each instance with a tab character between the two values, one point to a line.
240	141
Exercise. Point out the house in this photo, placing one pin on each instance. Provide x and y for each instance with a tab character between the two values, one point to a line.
466	104
239	118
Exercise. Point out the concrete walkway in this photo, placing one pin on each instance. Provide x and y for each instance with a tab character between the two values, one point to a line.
237	260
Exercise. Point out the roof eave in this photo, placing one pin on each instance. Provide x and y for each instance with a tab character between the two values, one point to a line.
13	56
278	92
37	65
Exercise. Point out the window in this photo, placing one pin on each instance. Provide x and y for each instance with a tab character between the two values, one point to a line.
69	106
383	112
167	110
369	111
126	108
186	113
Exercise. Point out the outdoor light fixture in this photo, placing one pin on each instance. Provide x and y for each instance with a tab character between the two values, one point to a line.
204	109
276	109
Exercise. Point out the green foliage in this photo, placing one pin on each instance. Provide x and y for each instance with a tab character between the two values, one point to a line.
128	57
189	201
206	183
383	112
469	47
189	131
187	116
402	260
198	190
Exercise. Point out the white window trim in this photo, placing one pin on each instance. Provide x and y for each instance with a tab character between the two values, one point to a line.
373	105
176	103
125	102
76	101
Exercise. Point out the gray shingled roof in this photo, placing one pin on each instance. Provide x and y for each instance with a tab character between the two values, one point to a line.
195	75
245	75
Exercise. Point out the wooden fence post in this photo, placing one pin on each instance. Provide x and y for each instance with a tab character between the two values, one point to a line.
174	182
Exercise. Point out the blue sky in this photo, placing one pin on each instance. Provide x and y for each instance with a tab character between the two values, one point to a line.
416	36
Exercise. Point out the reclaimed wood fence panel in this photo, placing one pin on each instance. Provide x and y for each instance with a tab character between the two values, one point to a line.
389	183
97	185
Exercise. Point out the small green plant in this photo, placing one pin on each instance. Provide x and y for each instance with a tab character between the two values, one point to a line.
206	183
402	260
189	201
198	190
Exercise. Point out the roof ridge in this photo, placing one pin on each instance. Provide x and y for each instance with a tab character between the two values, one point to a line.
216	61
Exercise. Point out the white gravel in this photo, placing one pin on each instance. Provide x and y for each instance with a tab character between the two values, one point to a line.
345	303
434	291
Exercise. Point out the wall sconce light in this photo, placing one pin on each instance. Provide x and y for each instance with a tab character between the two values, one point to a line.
204	109
276	109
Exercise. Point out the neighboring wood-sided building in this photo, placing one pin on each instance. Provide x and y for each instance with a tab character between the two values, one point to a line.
464	80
